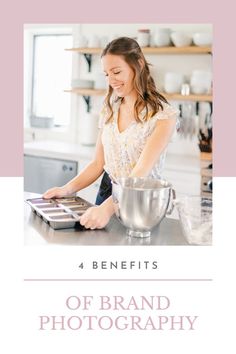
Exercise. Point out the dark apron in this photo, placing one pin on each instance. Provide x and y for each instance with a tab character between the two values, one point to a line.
105	189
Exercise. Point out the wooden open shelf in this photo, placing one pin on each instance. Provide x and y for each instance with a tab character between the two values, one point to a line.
192	97
207	156
176	96
87	92
153	50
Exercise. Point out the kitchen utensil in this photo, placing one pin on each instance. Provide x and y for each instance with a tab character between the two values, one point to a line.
205	127
141	203
59	213
204	111
188	112
204	147
203	39
181	39
181	121
204	143
210	185
196	120
195	214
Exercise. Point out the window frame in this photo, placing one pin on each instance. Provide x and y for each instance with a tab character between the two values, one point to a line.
33	71
67	132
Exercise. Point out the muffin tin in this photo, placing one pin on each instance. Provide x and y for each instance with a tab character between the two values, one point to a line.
59	213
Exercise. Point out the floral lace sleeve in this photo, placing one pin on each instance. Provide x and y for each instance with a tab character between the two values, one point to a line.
168	112
102	117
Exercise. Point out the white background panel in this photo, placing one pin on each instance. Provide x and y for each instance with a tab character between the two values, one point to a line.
23	301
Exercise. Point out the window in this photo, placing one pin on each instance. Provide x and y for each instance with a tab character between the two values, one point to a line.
52	67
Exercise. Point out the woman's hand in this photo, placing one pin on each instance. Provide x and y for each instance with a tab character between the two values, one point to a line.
96	217
56	192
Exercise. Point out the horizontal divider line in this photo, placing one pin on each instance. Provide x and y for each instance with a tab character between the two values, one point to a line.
74	280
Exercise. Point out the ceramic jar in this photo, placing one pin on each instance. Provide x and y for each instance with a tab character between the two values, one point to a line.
90	129
143	37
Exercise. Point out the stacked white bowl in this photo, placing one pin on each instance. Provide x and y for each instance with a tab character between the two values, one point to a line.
201	82
173	82
202	39
181	39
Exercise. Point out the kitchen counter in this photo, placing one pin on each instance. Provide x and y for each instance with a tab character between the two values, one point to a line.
76	152
59	149
37	232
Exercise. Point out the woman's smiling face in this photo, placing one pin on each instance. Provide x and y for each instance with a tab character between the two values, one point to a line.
119	74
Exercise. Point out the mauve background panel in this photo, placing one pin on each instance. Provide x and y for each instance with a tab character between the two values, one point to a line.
15	14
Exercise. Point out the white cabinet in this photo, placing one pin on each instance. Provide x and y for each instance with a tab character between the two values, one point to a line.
184	182
184	173
42	173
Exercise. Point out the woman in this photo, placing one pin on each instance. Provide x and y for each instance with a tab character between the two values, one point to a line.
135	127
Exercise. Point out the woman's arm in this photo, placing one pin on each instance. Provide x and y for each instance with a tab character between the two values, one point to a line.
86	177
155	145
97	217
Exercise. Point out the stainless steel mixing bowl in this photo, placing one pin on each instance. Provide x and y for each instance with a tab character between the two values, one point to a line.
141	203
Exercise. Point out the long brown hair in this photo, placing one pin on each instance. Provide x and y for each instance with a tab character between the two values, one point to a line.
144	84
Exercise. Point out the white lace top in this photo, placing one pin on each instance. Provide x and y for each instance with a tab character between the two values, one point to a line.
123	149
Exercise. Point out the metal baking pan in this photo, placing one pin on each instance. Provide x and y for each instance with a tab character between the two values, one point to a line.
59	213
